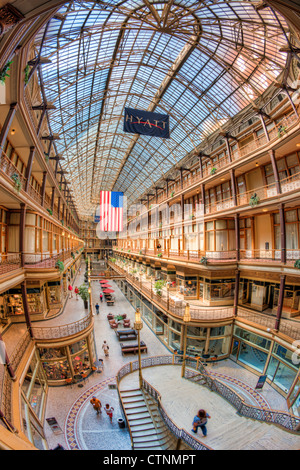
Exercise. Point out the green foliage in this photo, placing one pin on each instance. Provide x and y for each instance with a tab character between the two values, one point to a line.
297	264
254	200
213	171
50	211
112	260
203	260
83	292
60	266
3	72
15	177
26	72
159	255
158	286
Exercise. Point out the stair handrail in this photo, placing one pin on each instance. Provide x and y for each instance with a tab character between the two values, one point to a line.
280	418
179	433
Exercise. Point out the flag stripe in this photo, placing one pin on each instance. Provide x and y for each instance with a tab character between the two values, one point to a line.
111	211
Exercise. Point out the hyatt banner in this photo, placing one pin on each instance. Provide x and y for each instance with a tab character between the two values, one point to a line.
146	123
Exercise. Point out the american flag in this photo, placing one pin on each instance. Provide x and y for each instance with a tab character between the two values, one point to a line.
111	211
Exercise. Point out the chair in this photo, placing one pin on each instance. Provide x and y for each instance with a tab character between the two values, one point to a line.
69	382
113	324
85	376
126	323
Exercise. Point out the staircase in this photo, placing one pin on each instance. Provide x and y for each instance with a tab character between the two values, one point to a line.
148	430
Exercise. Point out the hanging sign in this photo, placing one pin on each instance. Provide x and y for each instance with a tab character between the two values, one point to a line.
146	123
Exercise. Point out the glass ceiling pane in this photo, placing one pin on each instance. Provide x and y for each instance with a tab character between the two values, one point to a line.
201	63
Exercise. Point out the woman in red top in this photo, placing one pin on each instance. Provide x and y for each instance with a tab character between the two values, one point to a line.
76	290
70	288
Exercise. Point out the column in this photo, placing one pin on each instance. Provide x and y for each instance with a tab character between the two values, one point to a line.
52	198
200	166
233	186
282	233
275	171
6	126
237	235
236	292
26	307
29	168
43	187
22	233
280	302
264	126
228	148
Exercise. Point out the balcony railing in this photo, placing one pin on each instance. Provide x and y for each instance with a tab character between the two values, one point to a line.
240	153
62	331
166	301
10	170
9	262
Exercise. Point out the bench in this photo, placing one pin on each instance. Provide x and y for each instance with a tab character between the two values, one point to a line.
133	348
126	335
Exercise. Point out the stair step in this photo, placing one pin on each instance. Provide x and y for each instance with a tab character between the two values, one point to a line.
138	416
132	404
145	447
132	401
147	439
135	412
143	428
140	422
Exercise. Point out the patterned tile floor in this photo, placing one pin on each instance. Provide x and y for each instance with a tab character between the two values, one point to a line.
81	427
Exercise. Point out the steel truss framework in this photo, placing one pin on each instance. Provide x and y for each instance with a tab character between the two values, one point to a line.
200	62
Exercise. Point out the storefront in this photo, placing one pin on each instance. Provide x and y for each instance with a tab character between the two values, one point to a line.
70	361
12	302
263	356
261	295
33	399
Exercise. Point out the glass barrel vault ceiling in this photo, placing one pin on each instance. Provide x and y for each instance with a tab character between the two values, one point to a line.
199	62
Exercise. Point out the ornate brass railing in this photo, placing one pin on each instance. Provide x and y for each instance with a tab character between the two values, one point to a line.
62	331
178	433
277	417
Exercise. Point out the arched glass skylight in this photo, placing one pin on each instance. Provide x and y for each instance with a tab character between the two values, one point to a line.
199	62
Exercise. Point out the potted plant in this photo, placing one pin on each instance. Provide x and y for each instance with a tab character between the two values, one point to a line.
172	193
159	255
112	260
297	264
3	72
83	292
158	287
50	211
140	252
15	177
254	200
73	255
204	260
26	72
213	171
60	266
281	130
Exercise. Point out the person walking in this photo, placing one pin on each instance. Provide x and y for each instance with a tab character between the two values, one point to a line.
76	290
200	421
96	404
97	308
109	411
105	348
70	288
101	298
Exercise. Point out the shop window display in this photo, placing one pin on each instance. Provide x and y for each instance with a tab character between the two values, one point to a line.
280	374
253	357
57	370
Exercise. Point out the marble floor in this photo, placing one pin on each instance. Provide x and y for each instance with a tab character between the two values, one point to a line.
81	428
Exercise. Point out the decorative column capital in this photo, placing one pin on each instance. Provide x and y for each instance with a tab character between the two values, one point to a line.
9	17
